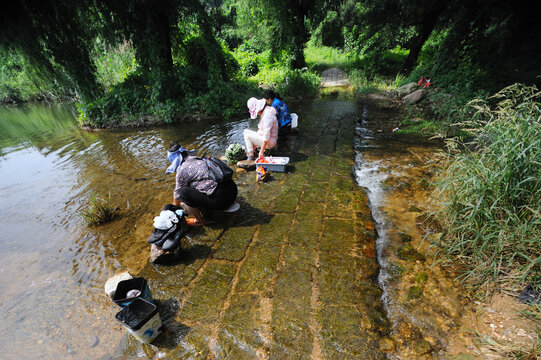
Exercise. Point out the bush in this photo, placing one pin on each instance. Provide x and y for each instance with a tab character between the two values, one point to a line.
20	81
114	64
293	83
490	197
248	62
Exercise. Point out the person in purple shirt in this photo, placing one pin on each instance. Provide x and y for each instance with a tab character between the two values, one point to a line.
194	187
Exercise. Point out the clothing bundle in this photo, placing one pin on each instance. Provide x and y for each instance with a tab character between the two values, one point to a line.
169	227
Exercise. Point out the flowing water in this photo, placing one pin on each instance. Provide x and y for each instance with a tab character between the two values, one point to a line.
293	275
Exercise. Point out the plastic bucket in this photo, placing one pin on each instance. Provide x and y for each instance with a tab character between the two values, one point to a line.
142	320
294	121
121	293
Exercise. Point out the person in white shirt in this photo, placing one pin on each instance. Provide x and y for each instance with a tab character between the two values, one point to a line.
267	130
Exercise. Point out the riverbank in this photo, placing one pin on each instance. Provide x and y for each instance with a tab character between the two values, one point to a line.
417	287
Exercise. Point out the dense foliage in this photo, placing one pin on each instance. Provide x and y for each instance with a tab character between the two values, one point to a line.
165	60
490	197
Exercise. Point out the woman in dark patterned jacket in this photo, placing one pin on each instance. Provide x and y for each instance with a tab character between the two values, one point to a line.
194	187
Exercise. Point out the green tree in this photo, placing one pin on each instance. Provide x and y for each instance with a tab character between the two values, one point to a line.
54	35
489	34
281	26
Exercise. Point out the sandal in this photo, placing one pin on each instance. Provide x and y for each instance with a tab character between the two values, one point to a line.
194	222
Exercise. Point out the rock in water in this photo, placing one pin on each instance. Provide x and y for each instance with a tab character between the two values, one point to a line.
160	256
112	282
93	340
248	165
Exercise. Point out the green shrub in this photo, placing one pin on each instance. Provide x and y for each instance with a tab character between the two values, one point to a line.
114	64
248	62
299	84
21	81
490	197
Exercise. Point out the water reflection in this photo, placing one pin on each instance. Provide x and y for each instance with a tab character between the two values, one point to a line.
53	267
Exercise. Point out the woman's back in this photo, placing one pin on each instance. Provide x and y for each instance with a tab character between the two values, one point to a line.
283	114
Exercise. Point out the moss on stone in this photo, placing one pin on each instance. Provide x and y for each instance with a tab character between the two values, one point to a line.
207	298
239	336
337	279
234	243
342	335
407	252
422	347
405	237
415	292
421	278
338	236
259	268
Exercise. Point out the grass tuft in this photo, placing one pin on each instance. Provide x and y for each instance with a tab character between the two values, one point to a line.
99	211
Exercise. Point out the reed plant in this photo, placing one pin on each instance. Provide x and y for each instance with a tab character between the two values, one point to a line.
99	210
489	195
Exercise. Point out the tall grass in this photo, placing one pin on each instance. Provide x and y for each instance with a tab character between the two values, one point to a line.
319	58
363	83
489	197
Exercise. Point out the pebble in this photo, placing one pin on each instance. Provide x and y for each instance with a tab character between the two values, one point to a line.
92	340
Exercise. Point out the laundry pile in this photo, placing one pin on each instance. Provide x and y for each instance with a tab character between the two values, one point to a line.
169	227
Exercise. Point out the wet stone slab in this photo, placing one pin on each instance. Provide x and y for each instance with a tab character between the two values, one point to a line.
209	293
338	281
297	257
273	232
342	335
233	244
291	315
259	268
338	237
241	335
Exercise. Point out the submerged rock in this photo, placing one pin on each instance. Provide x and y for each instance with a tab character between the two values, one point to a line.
422	347
407	252
112	282
415	292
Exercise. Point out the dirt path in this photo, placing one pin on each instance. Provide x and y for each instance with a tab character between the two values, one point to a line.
334	77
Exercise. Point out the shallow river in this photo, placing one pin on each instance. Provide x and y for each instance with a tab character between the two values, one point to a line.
313	266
